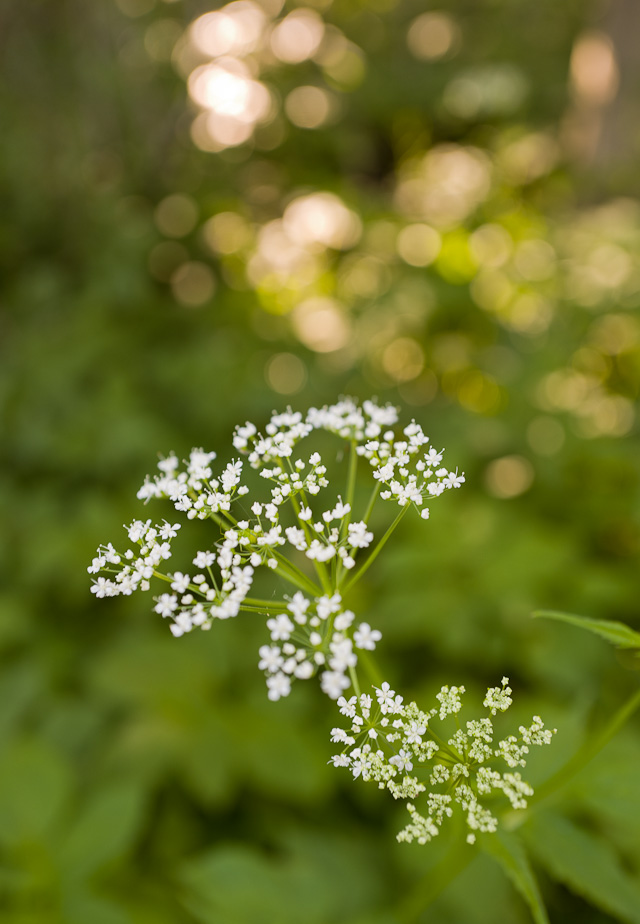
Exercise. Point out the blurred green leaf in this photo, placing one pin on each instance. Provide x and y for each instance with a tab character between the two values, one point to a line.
104	831
35	785
617	633
509	852
82	908
585	863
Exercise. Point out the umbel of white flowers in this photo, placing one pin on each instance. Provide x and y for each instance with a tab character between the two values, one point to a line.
311	631
388	738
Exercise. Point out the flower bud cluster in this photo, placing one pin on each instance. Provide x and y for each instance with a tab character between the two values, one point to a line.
388	741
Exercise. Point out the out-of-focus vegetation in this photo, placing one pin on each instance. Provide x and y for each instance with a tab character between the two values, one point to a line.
207	215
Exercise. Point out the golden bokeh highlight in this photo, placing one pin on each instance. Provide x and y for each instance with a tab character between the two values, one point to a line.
193	284
321	324
298	36
509	476
309	107
535	260
227	233
445	185
285	373
403	359
176	215
418	244
593	69
431	36
491	245
322	219
236	29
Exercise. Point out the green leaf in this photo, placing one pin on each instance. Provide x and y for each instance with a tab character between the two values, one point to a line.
235	884
104	831
584	863
82	907
508	851
617	633
35	784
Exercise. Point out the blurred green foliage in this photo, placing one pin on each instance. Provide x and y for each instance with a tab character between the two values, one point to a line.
145	779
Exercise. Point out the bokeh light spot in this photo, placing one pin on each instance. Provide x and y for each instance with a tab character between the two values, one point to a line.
509	476
321	325
193	284
433	35
308	107
176	215
403	359
226	232
285	373
297	37
418	244
236	29
593	69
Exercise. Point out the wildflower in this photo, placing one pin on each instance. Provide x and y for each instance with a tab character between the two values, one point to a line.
461	772
295	529
366	637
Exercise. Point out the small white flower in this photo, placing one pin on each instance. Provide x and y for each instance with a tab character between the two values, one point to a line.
270	658
333	683
298	606
280	627
365	637
180	582
359	536
402	761
167	604
279	685
204	559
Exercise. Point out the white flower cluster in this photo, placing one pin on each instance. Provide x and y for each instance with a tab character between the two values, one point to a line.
407	473
387	738
280	528
133	569
313	635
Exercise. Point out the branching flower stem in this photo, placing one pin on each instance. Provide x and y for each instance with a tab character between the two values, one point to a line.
370	560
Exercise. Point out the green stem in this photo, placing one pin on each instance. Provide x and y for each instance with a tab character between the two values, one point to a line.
293	575
370	667
320	567
266	604
588	751
370	560
351	484
372	501
354	680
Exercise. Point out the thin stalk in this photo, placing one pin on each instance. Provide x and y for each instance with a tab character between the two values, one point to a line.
266	604
320	567
370	668
351	484
370	560
372	501
354	680
293	575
